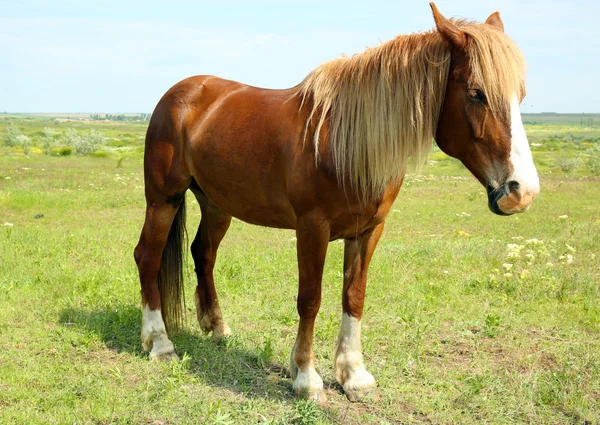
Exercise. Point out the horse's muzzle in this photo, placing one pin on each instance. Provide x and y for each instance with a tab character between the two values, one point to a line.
510	198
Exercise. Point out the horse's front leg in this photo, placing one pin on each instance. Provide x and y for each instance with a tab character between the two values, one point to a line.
312	238
348	364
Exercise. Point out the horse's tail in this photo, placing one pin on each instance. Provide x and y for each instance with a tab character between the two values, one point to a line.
170	276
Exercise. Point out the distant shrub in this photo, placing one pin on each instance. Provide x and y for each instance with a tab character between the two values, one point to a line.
594	161
65	151
568	165
48	140
84	143
89	143
95	139
11	135
25	143
72	137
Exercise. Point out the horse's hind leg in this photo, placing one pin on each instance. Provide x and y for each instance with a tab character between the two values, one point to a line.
160	215
159	252
213	226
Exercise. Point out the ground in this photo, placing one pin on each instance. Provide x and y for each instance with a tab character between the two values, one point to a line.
470	318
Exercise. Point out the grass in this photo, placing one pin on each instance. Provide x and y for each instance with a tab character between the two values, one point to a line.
470	318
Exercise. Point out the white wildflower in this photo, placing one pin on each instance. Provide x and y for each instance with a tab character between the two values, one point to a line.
570	248
563	217
569	259
534	241
514	250
8	224
549	264
507	266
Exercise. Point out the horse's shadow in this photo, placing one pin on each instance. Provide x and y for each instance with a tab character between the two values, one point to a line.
229	364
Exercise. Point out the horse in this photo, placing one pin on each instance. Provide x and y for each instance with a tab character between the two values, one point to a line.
326	158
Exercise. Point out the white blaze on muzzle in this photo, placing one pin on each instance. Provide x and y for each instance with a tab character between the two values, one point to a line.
523	185
524	171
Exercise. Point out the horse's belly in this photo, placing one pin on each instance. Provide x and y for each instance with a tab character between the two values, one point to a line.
249	192
249	210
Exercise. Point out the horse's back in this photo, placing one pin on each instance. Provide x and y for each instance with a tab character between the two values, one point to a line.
236	141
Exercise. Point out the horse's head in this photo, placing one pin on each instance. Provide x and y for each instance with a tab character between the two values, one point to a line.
480	122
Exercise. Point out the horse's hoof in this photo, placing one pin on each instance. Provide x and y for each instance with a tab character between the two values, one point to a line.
220	332
165	357
359	386
318	396
308	384
361	396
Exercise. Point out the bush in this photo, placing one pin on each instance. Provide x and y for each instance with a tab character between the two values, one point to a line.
11	135
99	154
25	143
66	151
72	137
88	143
95	139
568	165
48	140
594	161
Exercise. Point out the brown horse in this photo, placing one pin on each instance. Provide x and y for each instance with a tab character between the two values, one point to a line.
326	158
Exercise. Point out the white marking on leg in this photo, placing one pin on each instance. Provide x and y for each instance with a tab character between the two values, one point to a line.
205	319
154	334
221	330
524	171
307	382
348	366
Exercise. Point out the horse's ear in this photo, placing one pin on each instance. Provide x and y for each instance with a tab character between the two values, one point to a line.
495	21
451	33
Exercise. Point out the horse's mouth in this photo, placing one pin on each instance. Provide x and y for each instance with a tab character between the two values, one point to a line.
494	195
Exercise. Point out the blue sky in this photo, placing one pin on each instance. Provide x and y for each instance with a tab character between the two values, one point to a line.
111	56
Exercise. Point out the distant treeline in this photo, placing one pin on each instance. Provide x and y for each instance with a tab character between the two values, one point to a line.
552	118
120	117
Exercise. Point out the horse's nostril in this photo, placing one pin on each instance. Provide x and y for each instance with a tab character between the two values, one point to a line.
513	186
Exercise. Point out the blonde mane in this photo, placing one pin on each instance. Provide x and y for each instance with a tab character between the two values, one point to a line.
383	105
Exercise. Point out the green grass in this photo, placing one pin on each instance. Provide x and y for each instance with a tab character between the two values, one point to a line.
461	325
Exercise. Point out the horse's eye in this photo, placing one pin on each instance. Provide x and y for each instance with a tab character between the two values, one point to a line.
477	94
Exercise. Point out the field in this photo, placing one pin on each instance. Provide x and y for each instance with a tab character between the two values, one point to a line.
470	318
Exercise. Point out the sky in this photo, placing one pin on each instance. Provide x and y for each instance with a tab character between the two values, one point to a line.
121	56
